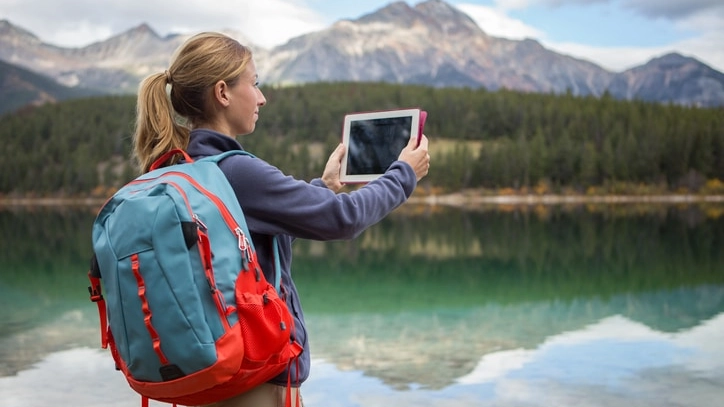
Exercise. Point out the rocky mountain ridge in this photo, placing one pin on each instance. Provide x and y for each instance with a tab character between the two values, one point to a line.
21	87
431	43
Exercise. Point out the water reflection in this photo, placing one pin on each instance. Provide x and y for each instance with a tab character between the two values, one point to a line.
435	349
614	361
434	309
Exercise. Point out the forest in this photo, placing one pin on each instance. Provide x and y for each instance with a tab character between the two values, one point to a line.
489	141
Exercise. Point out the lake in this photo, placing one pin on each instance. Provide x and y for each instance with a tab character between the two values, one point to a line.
502	306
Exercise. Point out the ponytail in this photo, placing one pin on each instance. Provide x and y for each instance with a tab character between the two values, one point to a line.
156	128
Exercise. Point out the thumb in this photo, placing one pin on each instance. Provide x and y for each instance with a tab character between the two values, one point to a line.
336	157
412	144
423	142
338	152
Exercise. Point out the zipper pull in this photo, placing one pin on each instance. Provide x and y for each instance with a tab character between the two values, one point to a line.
242	239
198	221
244	248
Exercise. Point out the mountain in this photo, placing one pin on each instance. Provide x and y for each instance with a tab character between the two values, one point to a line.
20	87
114	65
671	78
432	43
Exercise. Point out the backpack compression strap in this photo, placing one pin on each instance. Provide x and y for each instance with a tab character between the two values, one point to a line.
96	295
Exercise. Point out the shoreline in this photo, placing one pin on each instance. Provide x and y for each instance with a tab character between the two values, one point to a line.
463	200
458	199
11	202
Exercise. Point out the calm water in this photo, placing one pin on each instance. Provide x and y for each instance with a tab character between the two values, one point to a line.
547	307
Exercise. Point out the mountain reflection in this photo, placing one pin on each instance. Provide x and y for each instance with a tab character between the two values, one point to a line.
436	348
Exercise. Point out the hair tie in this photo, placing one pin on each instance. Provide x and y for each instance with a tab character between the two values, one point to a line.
168	76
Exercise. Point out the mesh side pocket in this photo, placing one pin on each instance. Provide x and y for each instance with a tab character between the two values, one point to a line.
264	320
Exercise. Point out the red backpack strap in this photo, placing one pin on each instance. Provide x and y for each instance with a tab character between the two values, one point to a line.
160	161
96	295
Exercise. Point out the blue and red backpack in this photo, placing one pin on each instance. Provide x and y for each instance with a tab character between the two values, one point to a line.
184	306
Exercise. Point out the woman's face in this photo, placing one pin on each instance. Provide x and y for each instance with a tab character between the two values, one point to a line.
245	99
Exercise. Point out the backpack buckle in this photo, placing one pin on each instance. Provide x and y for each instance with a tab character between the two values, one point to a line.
95	295
95	289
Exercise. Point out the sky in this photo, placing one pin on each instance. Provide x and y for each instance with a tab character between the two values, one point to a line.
615	34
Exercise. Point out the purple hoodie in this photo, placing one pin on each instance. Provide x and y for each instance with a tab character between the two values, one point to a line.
278	204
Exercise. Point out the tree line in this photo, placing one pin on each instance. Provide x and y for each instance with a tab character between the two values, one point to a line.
568	255
478	139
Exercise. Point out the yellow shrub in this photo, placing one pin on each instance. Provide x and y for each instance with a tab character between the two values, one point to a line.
713	187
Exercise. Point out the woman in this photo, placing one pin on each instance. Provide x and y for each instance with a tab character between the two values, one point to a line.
214	87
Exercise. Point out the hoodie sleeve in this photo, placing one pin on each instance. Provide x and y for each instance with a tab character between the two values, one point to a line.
275	203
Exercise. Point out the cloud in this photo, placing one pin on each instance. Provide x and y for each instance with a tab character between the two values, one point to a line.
615	59
81	22
669	9
522	4
497	365
703	20
497	23
708	44
275	22
674	9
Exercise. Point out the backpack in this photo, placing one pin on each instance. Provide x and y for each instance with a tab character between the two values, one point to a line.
188	314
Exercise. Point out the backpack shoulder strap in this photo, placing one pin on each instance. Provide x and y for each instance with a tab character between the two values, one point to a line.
275	245
218	157
277	264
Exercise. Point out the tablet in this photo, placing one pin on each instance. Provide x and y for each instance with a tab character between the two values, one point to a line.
374	140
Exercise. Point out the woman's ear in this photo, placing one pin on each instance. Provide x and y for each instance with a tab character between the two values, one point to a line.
221	90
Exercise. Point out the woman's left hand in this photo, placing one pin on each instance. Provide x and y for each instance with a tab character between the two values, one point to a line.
330	177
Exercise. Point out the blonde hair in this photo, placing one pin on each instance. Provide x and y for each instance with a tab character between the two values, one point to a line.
197	66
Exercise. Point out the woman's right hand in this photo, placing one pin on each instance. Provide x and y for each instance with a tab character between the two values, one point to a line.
417	156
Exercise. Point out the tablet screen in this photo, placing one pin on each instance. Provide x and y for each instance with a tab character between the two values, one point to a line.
374	144
374	141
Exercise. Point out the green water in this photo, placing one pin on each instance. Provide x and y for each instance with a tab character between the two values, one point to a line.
431	307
